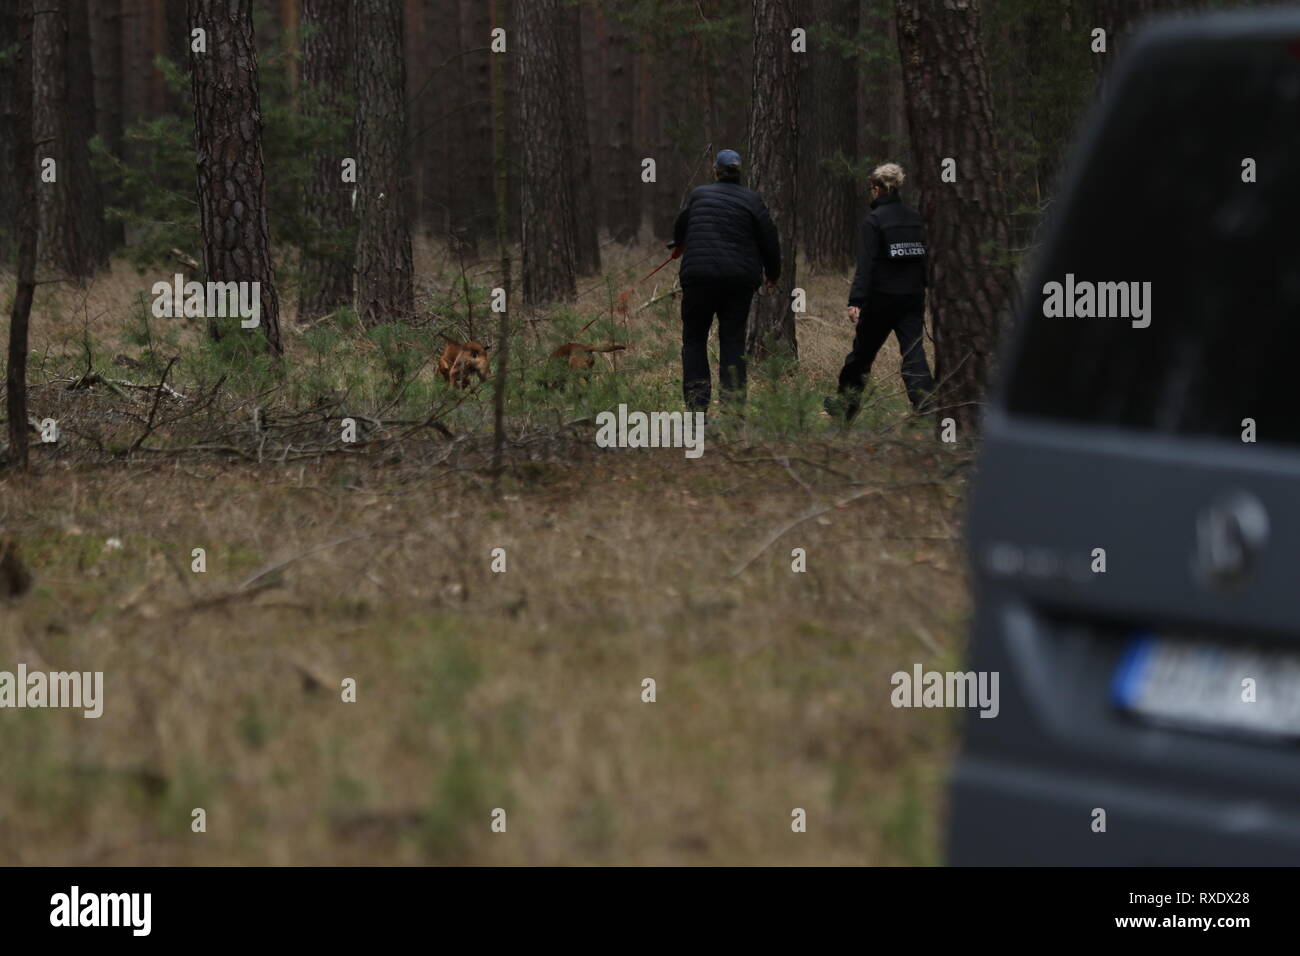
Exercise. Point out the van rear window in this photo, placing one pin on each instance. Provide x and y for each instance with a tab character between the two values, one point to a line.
1167	297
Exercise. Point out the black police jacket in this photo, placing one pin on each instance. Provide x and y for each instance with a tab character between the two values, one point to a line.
891	252
729	236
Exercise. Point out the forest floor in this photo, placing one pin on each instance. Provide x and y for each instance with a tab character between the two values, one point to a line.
475	690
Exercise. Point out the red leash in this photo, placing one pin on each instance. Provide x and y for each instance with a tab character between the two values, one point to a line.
656	269
627	293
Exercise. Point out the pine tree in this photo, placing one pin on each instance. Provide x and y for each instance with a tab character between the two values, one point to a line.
71	240
549	249
228	143
773	165
385	288
328	258
967	221
829	138
24	174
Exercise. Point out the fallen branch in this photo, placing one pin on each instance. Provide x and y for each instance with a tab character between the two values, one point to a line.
117	384
812	511
148	426
185	260
225	597
94	378
287	561
667	295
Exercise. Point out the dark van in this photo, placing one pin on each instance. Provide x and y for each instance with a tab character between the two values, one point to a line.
1134	532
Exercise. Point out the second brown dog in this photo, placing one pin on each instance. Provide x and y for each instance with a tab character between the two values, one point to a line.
461	361
574	357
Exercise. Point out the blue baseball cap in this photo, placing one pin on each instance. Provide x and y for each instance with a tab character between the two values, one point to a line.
728	157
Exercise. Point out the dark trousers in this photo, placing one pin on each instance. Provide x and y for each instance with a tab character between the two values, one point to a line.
904	315
700	303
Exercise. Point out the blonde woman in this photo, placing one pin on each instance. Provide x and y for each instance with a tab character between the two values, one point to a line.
888	295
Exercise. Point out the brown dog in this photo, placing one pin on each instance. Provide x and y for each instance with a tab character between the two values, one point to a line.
460	361
577	357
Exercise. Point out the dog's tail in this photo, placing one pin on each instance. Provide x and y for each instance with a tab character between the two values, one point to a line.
604	348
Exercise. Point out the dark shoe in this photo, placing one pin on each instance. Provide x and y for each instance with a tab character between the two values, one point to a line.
839	409
728	425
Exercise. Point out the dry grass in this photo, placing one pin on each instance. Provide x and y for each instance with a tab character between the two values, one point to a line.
478	690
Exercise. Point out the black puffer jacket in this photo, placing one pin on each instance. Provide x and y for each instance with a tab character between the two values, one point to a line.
728	235
891	252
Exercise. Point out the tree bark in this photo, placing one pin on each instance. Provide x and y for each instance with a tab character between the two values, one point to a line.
514	132
623	173
176	48
501	184
968	225
328	258
666	83
883	136
384	272
595	39
228	144
475	110
24	173
290	14
549	249
429	104
8	128
830	141
137	62
106	31
157	36
71	239
578	146
773	161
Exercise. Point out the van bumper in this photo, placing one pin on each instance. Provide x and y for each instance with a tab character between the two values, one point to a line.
1006	814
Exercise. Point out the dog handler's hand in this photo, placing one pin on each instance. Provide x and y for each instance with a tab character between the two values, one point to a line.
854	312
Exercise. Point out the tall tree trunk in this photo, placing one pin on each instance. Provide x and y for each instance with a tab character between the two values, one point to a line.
594	42
578	146
176	48
228	144
968	225
106	31
501	184
623	174
384	272
428	104
883	136
773	162
328	257
476	123
71	237
9	223
830	138
672	158
137	59
549	249
290	13
157	34
514	132
645	133
24	173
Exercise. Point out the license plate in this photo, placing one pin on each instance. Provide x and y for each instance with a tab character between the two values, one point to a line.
1203	685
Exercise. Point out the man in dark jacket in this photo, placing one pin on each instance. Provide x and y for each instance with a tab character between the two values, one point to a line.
727	243
888	295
